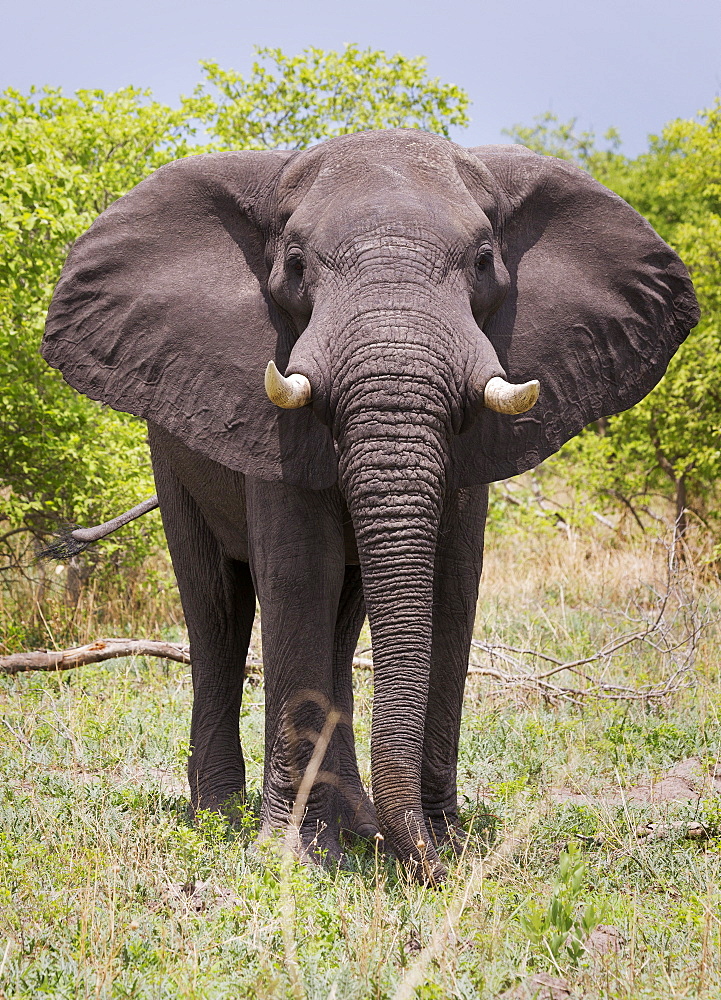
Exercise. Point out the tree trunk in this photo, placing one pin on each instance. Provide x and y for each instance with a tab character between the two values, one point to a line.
681	499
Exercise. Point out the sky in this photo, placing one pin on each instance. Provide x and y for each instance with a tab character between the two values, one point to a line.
628	64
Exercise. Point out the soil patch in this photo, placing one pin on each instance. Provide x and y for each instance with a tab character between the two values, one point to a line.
686	781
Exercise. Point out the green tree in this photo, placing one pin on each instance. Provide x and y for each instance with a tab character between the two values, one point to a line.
294	101
552	137
64	160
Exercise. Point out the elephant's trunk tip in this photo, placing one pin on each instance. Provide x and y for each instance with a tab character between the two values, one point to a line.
504	397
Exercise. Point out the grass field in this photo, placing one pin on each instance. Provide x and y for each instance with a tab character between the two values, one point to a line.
107	890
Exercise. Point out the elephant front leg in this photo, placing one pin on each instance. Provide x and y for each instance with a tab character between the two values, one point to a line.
219	606
459	561
297	560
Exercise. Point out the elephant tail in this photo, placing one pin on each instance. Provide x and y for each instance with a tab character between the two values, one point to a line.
72	541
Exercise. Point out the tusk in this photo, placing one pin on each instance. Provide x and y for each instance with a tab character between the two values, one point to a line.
503	397
290	393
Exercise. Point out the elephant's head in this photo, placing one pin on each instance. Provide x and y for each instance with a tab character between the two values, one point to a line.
397	284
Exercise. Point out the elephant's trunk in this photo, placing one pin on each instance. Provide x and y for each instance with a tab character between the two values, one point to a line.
401	381
393	450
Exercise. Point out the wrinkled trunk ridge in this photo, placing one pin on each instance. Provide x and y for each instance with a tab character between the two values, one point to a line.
393	448
397	566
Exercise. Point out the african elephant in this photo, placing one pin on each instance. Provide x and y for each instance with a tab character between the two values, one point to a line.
398	280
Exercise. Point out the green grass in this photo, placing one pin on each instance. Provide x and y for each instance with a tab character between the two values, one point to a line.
96	842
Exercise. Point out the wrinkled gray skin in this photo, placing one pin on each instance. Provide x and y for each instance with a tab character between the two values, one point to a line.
394	270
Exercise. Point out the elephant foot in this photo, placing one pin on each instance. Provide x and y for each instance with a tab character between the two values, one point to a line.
310	830
228	798
358	815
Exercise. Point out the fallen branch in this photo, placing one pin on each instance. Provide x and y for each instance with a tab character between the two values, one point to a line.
110	649
684	641
94	652
671	627
601	689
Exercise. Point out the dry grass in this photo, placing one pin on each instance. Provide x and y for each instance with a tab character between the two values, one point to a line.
569	566
39	610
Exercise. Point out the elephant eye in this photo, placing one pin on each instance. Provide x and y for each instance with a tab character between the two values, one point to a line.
484	257
295	263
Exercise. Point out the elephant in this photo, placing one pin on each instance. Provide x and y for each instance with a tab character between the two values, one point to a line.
336	350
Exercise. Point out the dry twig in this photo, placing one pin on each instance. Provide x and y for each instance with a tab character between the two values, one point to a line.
671	627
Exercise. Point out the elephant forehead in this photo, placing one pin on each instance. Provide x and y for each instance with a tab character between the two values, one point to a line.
358	181
392	175
399	153
379	218
393	160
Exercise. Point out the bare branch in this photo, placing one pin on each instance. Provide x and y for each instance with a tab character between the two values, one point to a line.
617	495
16	531
94	652
671	627
109	649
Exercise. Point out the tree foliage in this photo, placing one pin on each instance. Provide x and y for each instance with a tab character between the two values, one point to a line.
65	159
552	137
293	101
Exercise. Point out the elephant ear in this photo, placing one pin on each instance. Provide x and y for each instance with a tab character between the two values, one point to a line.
598	304
162	310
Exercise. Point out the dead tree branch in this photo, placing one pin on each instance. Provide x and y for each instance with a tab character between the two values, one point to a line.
671	627
109	649
94	652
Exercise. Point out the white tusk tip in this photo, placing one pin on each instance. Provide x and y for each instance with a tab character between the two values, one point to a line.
504	397
289	393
